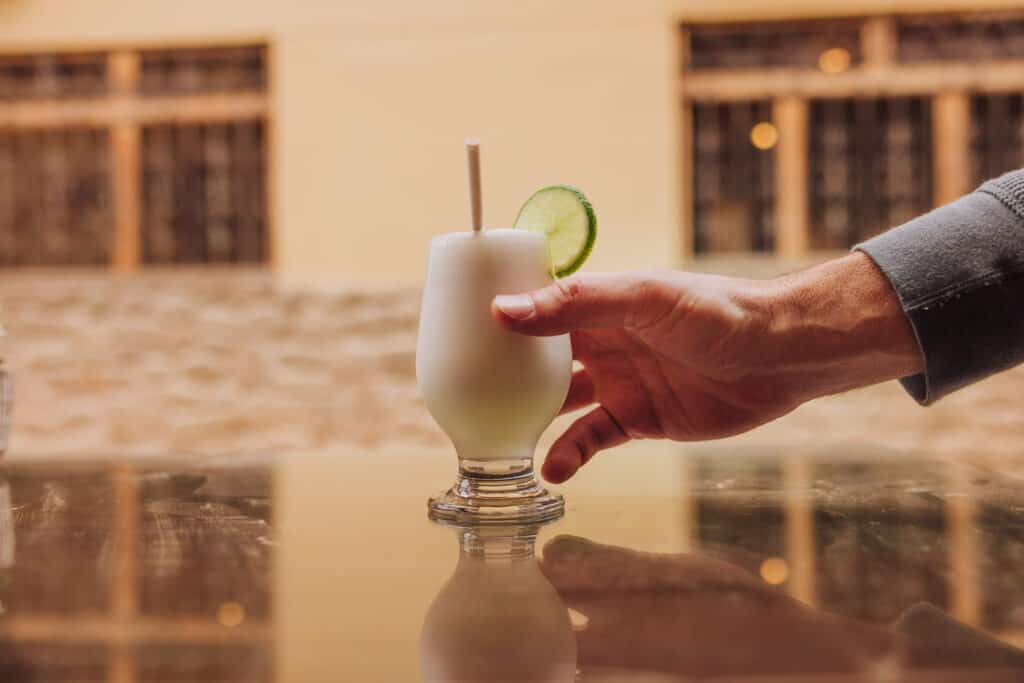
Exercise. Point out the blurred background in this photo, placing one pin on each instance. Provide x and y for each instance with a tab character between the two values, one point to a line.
214	216
214	220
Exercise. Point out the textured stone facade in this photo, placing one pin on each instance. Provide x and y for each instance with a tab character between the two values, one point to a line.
223	361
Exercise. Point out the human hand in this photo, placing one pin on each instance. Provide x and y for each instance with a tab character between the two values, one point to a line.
687	356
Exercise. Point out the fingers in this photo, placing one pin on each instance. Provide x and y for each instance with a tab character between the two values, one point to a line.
590	300
578	565
581	392
595	431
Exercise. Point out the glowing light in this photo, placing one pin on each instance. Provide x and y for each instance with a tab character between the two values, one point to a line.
579	620
835	60
230	614
764	135
774	570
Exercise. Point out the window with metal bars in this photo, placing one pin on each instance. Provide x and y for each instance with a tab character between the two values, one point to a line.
202	183
203	70
733	179
771	44
870	167
997	135
43	76
965	38
203	193
55	197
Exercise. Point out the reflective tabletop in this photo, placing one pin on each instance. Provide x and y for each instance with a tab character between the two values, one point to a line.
670	564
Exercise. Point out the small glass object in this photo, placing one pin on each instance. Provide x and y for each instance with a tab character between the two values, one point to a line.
492	391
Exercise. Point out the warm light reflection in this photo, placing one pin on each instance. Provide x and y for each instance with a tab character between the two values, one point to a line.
579	620
835	60
230	614
764	135
775	570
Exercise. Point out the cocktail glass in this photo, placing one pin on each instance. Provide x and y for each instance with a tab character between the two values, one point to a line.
492	391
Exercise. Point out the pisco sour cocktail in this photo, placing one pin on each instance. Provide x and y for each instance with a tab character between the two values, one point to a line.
493	391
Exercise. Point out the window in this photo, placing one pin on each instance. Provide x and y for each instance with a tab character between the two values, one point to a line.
203	193
961	38
817	134
177	72
55	197
870	167
53	76
733	191
134	157
771	44
997	135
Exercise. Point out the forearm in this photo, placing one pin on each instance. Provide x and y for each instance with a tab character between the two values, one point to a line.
935	302
838	326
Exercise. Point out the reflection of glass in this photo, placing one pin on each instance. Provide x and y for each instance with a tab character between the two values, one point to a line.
498	618
492	391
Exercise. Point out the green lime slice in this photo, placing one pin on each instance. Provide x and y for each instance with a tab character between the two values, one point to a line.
564	216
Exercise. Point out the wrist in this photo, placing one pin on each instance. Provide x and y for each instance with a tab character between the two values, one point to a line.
838	326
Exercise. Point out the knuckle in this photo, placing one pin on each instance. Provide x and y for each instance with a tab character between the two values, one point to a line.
655	297
591	437
568	291
583	435
592	434
586	446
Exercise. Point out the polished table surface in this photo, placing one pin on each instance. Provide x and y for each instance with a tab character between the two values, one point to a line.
671	564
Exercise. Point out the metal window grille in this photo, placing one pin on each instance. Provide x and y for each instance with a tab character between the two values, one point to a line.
201	180
53	75
55	197
203	193
204	70
967	38
733	180
997	135
771	44
870	166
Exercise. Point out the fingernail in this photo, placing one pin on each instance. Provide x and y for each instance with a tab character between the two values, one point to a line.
515	306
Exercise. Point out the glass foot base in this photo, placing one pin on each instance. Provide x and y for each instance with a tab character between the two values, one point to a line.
499	492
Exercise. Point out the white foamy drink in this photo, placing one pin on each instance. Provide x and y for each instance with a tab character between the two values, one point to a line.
491	390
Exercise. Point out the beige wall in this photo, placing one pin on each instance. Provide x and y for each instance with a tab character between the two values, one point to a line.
372	101
374	168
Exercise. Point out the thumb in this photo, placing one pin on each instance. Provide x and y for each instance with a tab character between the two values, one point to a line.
588	300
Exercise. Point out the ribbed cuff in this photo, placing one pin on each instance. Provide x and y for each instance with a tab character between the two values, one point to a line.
959	275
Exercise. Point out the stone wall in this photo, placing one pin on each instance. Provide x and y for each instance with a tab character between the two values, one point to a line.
212	362
223	361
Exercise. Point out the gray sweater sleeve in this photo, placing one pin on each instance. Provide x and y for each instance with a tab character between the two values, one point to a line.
959	274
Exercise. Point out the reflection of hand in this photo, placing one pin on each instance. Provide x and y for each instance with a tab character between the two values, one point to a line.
689	357
697	616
